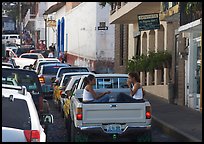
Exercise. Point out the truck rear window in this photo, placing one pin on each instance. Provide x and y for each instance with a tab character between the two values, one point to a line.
15	114
111	83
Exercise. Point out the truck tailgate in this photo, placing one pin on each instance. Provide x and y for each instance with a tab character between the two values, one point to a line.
113	112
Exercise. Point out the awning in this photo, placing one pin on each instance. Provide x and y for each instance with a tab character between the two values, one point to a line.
54	8
195	26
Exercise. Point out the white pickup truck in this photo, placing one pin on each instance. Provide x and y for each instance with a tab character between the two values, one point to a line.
112	120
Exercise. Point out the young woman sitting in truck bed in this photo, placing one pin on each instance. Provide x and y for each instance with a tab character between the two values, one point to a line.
89	95
136	92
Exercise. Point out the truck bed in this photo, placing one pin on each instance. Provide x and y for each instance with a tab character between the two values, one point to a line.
111	112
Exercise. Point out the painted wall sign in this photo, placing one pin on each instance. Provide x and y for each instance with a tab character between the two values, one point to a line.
148	21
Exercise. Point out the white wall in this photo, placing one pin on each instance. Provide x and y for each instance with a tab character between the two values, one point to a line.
52	32
80	27
39	20
105	39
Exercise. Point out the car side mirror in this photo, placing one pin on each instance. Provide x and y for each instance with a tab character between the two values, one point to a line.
47	119
64	95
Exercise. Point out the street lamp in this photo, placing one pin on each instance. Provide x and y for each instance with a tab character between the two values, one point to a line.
45	18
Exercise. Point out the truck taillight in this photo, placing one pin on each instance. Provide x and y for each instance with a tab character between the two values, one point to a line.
32	135
148	112
79	114
42	79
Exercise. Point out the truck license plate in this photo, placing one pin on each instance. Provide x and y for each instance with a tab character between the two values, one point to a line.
114	128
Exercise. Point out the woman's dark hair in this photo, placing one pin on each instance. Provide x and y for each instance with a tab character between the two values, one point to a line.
89	78
135	75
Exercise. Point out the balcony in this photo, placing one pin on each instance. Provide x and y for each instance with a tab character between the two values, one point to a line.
29	18
126	12
190	14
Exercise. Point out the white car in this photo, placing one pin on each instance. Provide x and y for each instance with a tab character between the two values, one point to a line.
64	85
20	121
31	55
37	61
24	62
7	65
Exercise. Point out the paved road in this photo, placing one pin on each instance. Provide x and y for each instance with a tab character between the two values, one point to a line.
57	131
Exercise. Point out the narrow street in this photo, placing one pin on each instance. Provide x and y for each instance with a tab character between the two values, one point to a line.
57	131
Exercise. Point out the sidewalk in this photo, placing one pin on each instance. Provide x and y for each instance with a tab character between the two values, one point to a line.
177	120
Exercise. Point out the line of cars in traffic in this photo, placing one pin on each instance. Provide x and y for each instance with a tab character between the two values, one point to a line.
49	78
29	82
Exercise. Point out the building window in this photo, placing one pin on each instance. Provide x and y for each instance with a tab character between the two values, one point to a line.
174	3
137	45
165	6
121	45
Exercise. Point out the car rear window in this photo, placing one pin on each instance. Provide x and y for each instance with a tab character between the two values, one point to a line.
15	114
50	70
69	70
30	56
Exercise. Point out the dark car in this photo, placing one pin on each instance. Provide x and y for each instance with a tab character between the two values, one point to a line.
23	50
29	79
46	72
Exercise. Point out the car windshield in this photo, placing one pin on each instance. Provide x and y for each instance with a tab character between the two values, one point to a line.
30	56
15	114
26	78
69	70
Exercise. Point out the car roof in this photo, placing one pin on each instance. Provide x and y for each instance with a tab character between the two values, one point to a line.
44	59
77	76
72	67
30	54
110	75
16	91
74	73
55	64
23	70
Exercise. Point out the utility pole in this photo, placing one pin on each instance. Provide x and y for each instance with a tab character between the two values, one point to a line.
20	24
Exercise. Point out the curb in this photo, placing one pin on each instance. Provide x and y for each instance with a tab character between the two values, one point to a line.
173	131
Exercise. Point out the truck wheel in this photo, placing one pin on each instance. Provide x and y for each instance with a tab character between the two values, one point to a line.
76	135
145	137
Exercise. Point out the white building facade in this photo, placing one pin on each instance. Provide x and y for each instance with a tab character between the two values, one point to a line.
85	44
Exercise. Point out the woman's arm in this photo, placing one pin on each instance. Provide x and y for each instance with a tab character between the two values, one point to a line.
135	88
90	89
